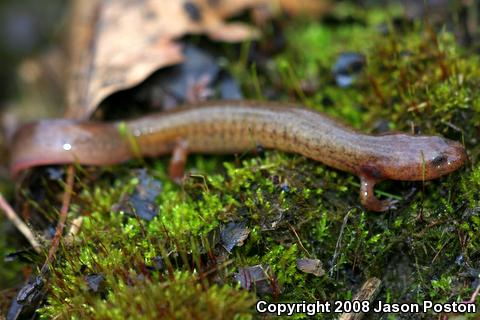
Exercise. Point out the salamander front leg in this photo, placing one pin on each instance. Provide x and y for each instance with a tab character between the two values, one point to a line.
368	199
176	169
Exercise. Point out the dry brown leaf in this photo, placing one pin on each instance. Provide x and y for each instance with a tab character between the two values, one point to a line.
296	7
117	44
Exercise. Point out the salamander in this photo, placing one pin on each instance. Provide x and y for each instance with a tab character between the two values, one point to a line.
237	126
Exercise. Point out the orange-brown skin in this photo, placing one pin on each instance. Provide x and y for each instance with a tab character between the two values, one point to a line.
237	126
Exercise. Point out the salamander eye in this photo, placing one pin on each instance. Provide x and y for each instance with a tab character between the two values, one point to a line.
439	160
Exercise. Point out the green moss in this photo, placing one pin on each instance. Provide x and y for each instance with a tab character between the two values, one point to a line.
122	249
181	298
10	271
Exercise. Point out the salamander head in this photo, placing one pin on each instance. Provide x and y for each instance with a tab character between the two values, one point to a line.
444	157
422	158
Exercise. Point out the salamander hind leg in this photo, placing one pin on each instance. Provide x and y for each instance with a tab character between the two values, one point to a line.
176	169
368	198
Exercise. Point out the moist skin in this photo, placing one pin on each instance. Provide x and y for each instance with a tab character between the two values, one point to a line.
238	126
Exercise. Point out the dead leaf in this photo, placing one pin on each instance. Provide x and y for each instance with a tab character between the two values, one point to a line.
142	202
28	298
313	266
234	234
296	7
94	281
258	278
198	78
115	45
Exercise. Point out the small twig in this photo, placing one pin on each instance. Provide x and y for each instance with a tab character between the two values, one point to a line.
19	224
474	296
433	224
438	252
67	196
299	240
368	292
336	253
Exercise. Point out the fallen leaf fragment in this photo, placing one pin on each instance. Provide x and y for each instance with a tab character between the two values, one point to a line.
28	299
115	45
142	202
296	7
313	266
256	278
200	77
94	281
234	234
